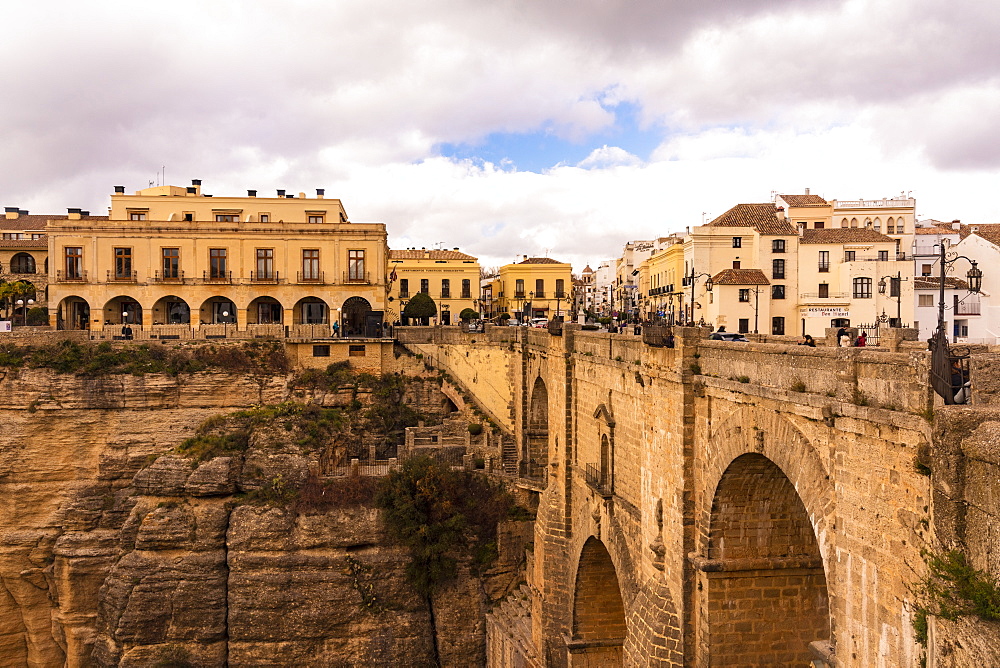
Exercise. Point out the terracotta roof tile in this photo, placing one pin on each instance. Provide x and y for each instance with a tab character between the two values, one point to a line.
761	217
935	230
540	260
934	283
36	221
804	200
740	277
990	233
40	244
431	255
843	235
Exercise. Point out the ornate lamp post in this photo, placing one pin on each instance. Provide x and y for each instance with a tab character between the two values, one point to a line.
896	285
949	373
693	278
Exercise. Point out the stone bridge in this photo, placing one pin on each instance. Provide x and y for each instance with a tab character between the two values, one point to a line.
711	504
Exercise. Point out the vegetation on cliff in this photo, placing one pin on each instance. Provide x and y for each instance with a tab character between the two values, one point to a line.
93	359
954	588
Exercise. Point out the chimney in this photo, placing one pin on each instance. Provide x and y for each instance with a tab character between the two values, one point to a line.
196	182
22	212
84	213
192	190
956	224
780	212
251	193
302	195
73	214
119	190
10	212
807	191
281	193
975	228
320	193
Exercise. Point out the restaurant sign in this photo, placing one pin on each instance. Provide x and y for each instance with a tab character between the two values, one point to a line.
824	312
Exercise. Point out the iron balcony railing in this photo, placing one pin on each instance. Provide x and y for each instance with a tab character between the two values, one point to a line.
168	277
540	294
357	277
968	307
264	277
820	295
597	479
466	295
824	267
122	277
310	277
446	294
404	294
217	276
73	276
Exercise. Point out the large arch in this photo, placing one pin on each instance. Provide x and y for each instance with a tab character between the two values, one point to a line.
121	310
171	310
265	310
311	311
22	263
599	627
357	317
765	594
217	310
535	458
73	313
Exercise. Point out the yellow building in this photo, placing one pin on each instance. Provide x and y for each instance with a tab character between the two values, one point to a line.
169	259
24	256
449	277
660	283
536	287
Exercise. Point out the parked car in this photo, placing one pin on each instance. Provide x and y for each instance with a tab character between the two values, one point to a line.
730	336
539	323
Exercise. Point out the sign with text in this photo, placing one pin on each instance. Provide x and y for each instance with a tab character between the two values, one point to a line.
825	312
5	325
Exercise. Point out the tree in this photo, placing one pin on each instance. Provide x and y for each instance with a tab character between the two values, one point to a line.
468	314
420	307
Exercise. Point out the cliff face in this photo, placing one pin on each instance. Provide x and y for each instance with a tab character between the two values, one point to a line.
115	552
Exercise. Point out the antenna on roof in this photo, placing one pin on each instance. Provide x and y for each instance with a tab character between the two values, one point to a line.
547	251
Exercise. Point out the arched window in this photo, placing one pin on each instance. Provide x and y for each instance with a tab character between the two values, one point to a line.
22	263
844	223
854	222
890	226
877	225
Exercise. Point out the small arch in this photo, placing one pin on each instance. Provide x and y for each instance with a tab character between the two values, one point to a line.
854	222
73	313
171	310
599	626
22	263
122	310
535	458
890	226
357	317
265	310
877	224
844	223
217	310
311	311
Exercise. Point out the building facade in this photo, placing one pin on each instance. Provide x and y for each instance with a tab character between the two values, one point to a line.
449	277
171	257
536	287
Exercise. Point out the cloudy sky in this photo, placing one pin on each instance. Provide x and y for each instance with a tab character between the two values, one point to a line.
507	127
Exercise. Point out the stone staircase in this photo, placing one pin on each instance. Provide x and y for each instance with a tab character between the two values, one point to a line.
509	632
508	455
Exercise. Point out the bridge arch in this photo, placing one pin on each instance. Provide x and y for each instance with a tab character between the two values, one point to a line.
536	442
599	628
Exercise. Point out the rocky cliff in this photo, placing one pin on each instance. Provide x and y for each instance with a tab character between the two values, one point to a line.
116	550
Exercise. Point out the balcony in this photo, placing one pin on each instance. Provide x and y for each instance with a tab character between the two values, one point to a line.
817	295
264	277
360	277
404	294
598	480
968	307
122	277
310	277
889	257
873	203
446	294
466	295
71	277
560	294
518	295
824	267
540	294
169	277
217	277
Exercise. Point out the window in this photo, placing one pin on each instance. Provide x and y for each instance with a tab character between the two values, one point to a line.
74	261
425	285
744	325
137	215
778	246
777	268
819	225
356	350
777	292
321	351
12	236
744	294
925	269
519	287
217	262
171	262
310	264
265	263
894	287
849	256
355	265
539	287
316	219
22	263
824	290
227	218
844	223
862	288
188	217
560	288
445	288
466	289
877	225
737	242
123	263
890	226
925	300
778	326
854	222
404	287
265	218
736	264
883	256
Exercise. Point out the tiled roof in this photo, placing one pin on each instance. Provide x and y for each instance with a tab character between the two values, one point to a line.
761	217
588	270
430	254
540	260
740	277
804	200
36	222
989	232
25	243
843	235
934	283
935	230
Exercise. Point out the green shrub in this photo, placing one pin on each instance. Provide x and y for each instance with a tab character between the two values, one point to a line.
37	315
468	314
798	385
475	429
953	588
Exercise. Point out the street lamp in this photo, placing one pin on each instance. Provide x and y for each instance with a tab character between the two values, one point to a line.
225	324
896	285
693	277
24	312
948	376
